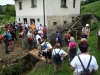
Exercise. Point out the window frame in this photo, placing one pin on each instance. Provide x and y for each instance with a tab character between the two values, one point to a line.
20	5
54	23
38	19
33	3
74	3
64	3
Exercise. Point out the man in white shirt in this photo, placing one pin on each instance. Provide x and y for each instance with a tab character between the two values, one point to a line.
85	31
39	40
85	57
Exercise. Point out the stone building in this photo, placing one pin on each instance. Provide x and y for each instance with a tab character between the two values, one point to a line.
51	13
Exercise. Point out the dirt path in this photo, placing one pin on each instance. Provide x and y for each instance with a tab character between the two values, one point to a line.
16	52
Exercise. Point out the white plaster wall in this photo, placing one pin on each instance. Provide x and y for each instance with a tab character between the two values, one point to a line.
27	10
30	13
53	8
31	17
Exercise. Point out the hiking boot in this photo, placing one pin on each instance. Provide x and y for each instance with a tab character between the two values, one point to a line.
7	53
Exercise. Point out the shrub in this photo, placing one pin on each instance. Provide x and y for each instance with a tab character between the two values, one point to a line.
94	25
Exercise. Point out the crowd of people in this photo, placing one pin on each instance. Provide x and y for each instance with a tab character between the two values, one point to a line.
37	38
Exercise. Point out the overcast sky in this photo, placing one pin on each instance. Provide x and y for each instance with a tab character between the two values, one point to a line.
4	2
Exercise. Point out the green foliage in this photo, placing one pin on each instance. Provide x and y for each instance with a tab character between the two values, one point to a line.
91	8
94	25
10	10
88	1
14	70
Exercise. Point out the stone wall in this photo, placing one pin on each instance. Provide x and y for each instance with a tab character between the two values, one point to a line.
61	21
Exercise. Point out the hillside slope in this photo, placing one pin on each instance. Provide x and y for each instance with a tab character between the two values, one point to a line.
91	8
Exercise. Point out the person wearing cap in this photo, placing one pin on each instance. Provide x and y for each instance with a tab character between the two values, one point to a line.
85	31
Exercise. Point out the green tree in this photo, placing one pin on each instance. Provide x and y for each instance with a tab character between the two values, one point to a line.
1	11
10	10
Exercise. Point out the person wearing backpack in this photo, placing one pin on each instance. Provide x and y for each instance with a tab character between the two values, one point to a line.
59	38
58	55
84	64
72	49
46	49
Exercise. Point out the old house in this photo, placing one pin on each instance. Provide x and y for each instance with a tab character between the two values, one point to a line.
52	13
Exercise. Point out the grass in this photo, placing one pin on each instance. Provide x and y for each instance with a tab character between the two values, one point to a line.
91	8
41	69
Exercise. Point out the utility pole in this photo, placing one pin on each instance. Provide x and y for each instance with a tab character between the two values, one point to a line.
44	10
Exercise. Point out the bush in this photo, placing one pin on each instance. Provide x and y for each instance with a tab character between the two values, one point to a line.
94	25
1	17
16	69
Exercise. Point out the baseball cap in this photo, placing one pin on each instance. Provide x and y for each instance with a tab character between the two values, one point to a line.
87	24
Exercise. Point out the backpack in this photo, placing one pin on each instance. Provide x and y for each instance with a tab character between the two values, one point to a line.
72	50
85	71
44	46
57	58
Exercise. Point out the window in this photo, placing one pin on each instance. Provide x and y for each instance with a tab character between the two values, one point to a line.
20	5
38	20
19	19
63	3
74	1
73	19
54	23
65	22
25	20
33	3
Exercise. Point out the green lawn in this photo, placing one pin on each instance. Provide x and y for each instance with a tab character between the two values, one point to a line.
91	8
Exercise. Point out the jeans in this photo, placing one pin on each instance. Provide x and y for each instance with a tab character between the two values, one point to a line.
23	41
30	43
6	45
35	44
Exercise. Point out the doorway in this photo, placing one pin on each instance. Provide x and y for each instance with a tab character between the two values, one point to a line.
32	21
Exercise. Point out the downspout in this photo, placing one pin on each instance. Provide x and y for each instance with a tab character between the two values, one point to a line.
44	10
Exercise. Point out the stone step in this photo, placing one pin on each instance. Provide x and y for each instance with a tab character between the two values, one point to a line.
34	53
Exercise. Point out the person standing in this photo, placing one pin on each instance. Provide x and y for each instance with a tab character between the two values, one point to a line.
30	39
62	53
5	36
98	39
85	58
47	50
59	38
39	41
72	49
67	38
85	31
44	32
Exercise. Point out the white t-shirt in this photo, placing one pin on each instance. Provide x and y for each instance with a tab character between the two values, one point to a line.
26	25
49	46
37	37
29	35
57	50
85	59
